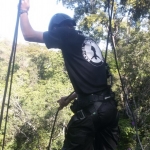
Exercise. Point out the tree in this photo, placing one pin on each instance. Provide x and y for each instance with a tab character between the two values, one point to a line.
39	81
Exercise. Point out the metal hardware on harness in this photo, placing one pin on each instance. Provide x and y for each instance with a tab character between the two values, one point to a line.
107	97
92	110
99	98
93	98
80	114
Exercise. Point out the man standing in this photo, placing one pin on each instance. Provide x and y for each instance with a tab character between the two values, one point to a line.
94	125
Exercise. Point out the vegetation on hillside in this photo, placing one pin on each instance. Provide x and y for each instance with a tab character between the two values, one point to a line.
40	78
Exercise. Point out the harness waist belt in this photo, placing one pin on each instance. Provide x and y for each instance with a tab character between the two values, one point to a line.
87	105
94	98
89	111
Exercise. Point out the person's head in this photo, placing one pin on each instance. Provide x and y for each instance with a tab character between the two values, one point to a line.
61	20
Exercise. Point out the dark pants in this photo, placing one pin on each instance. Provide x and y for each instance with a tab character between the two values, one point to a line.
94	132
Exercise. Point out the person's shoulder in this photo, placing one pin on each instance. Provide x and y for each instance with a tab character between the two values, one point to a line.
68	30
65	33
61	31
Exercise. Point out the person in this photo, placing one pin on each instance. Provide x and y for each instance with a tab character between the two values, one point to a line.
94	125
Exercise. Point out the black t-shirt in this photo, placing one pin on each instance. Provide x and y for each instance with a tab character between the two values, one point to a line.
83	59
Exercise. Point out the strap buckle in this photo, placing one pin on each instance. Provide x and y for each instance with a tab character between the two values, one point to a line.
107	97
80	114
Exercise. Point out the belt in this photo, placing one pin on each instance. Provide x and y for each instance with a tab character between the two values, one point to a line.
83	99
91	103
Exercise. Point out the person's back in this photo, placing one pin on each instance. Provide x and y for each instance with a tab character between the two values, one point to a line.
83	59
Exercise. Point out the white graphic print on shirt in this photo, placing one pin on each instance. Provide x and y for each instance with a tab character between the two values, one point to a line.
92	53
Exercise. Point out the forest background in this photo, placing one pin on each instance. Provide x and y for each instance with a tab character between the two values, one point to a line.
40	78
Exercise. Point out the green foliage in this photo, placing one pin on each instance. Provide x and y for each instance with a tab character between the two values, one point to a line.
138	8
133	56
127	138
39	80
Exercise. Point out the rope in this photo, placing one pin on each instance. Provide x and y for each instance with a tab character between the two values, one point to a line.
10	73
123	89
109	29
52	132
53	128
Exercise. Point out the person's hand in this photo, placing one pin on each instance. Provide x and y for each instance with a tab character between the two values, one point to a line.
63	102
25	5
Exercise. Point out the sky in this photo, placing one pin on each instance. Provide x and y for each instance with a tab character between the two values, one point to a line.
39	14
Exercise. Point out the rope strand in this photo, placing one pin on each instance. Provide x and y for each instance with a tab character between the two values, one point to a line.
10	75
53	127
123	88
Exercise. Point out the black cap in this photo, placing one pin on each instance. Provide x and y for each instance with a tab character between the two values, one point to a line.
58	18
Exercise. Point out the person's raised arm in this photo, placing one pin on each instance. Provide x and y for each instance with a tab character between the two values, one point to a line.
28	32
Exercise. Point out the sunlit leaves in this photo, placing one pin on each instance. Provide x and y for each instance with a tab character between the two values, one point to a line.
40	79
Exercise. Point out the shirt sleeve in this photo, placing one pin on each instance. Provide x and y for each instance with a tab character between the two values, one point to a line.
52	39
61	37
